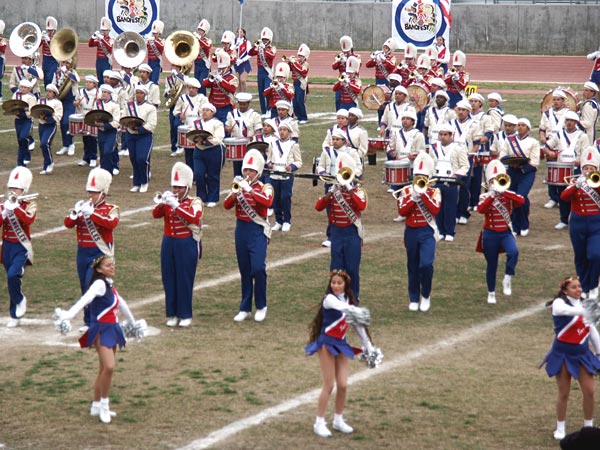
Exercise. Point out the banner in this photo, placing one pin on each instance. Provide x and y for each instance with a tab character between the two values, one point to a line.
131	15
420	22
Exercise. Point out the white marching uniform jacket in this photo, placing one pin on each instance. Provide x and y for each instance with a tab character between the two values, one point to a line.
87	100
284	153
528	146
358	138
467	132
405	143
491	122
215	127
61	77
190	107
553	121
129	84
153	96
113	108
436	117
28	98
392	113
245	124
568	145
328	160
55	104
22	73
145	111
450	160
588	114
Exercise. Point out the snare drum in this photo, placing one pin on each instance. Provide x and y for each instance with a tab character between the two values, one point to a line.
484	158
556	173
76	125
90	131
377	144
235	148
396	172
182	140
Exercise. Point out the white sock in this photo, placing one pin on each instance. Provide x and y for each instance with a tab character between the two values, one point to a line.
320	421
507	277
104	402
338	418
561	425
588	423
95	404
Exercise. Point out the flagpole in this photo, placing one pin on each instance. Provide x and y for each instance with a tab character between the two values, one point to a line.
241	12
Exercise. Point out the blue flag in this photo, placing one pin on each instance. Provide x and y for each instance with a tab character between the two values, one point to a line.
241	2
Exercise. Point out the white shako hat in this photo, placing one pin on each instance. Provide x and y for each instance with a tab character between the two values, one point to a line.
345	160
346	43
105	24
98	180
254	160
424	62
304	50
459	58
20	178
590	157
352	64
182	175
510	118
158	26
266	33
2	26
282	70
494	168
391	44
423	165
228	37
51	23
410	51
204	25
431	53
223	60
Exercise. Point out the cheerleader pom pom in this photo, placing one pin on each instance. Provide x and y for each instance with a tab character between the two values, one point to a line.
62	325
356	315
592	311
136	329
372	357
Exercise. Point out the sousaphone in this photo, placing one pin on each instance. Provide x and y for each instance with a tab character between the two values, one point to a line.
63	47
129	49
25	39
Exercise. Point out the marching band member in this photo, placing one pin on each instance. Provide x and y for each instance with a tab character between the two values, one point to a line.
126	95
251	199
443	55
420	207
566	147
385	63
95	221
107	131
140	138
408	67
23	122
223	85
456	78
451	161
155	46
522	177
435	69
552	121
283	156
279	89
570	355
181	244
283	108
265	54
437	115
348	85
392	115
3	45
227	41
406	142
584	222
47	126
208	156
49	64
268	132
17	252
341	65
66	74
356	136
243	121
477	114
299	68
104	47
328	162
595	75
120	96
85	102
346	203
26	71
242	58
588	110
497	235
202	62
153	96
341	123
423	76
187	110
173	82
500	141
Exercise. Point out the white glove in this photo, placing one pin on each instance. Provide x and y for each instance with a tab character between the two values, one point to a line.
172	201
455	77
415	195
87	209
245	186
380	56
10	206
63	69
593	55
580	181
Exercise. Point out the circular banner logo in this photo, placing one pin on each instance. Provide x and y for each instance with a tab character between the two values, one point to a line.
419	21
132	15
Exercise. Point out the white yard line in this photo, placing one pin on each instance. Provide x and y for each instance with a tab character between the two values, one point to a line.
448	343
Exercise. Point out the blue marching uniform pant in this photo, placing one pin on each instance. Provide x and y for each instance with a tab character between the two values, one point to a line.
102	64
347	106
23	128
68	109
381	82
251	250
49	67
585	238
85	270
553	194
207	173
155	66
420	255
455	97
563	207
14	258
446	218
90	148
1	73
222	112
521	182
189	157
174	122
492	242
47	132
200	73
178	262
464	194
107	143
299	101
282	199
338	100
475	185
264	81
346	252
140	148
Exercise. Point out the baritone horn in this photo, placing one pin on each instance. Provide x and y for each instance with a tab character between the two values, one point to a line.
593	179
25	39
421	183
129	49
501	181
345	176
181	48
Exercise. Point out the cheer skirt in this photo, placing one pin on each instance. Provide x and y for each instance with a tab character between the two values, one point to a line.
110	335
334	345
573	356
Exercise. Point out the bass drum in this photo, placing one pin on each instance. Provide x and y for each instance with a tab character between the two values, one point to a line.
418	95
375	96
571	101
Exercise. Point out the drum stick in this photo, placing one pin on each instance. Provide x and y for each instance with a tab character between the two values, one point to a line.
374	97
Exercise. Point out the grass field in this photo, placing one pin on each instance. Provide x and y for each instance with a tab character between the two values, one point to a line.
457	377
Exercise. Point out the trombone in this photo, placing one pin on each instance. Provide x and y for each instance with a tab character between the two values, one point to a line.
289	60
592	179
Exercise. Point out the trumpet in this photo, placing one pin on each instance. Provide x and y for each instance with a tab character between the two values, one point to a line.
214	76
275	84
375	54
258	43
592	179
289	60
14	198
340	57
236	185
343	78
161	197
97	34
78	207
500	183
452	70
402	65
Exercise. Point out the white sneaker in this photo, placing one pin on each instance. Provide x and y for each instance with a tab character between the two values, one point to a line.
506	286
326	243
399	219
260	314
95	411
185	323
121	152
211	204
559	434
179	151
32	145
27	162
390	191
62	151
13	323
125	152
172	154
116	172
93	163
425	304
560	226
449	238
44	172
105	416
50	168
241	316
462	221
413	306
286	227
276	227
525	232
144	188
21	308
491	298
302	122
135	189
342	427
550	204
322	430
270	212
71	150
82	163
172	322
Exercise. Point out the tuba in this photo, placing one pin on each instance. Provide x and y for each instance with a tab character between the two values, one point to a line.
181	49
129	49
63	46
25	39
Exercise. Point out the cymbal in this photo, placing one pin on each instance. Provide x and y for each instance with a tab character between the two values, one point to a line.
97	115
260	146
131	121
10	107
195	135
41	110
515	161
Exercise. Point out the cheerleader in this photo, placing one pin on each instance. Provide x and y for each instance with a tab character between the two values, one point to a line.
570	355
242	60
